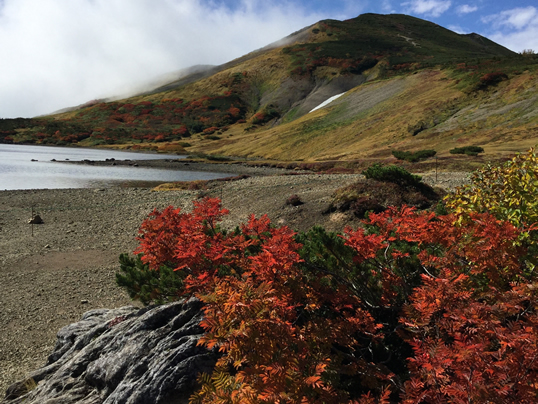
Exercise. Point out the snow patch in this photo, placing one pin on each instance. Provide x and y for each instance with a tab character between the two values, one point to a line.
326	102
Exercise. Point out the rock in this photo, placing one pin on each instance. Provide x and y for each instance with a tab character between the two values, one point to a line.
36	220
125	355
20	388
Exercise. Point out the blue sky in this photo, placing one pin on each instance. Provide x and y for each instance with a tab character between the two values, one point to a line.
60	53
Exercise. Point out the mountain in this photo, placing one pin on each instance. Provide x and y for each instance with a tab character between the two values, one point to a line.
402	84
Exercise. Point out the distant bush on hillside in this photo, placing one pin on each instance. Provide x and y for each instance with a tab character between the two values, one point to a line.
468	150
492	78
413	157
265	116
392	173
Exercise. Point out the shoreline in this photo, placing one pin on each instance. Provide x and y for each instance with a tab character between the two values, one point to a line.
44	169
237	168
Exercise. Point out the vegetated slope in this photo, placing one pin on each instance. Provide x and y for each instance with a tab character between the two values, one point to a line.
427	110
409	84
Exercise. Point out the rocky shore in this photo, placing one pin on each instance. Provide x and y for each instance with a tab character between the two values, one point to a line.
52	273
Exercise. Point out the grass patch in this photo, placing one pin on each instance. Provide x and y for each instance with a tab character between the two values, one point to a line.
198	185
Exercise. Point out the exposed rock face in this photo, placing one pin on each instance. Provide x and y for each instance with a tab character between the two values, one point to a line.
126	355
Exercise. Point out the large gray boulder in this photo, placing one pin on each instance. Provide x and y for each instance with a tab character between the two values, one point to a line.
126	355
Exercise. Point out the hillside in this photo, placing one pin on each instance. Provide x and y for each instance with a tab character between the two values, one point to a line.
407	84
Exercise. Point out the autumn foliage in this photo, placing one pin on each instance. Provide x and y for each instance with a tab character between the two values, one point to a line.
508	191
410	308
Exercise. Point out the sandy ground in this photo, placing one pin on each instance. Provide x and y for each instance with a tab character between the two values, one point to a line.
50	274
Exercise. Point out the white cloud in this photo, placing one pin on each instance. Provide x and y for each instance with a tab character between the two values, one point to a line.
59	53
458	29
517	18
431	8
518	40
386	7
466	9
516	29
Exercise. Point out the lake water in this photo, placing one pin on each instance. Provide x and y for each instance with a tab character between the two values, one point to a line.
18	171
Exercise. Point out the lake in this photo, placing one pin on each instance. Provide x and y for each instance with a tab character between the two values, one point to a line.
18	171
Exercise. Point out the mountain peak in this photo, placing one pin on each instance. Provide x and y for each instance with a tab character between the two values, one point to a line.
407	82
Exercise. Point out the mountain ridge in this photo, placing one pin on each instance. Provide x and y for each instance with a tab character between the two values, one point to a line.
423	86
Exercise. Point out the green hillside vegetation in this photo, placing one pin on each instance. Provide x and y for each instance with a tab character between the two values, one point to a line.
409	85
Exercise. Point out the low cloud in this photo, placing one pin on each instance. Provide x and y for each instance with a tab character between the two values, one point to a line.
518	18
516	29
429	8
60	53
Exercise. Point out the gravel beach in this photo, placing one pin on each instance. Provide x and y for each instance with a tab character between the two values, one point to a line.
52	273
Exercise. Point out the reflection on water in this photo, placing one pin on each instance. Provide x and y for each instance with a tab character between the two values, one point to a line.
31	167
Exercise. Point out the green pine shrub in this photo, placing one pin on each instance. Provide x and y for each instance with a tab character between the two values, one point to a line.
467	150
413	157
392	173
146	285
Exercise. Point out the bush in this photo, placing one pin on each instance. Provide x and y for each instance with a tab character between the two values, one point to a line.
294	200
369	195
391	173
385	186
404	307
265	116
413	157
468	150
211	130
489	79
146	285
508	191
